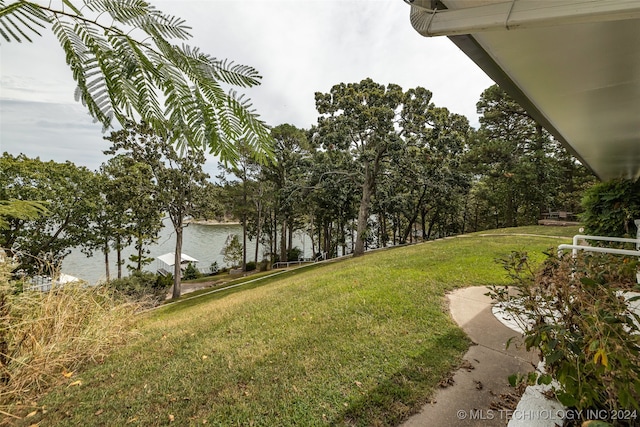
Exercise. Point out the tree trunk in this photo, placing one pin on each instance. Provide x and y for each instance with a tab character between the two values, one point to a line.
140	248
352	239
423	223
274	237
434	218
119	257
283	241
512	211
290	236
258	233
106	261
476	216
177	289
257	248
328	227
313	243
244	242
343	238
465	214
363	212
395	230
406	237
243	267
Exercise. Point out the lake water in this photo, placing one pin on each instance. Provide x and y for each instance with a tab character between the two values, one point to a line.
202	242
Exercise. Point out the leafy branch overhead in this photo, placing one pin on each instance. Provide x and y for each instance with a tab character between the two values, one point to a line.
127	68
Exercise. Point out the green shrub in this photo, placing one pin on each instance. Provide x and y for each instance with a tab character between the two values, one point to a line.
264	265
250	266
143	286
610	208
294	254
232	252
572	311
191	272
214	268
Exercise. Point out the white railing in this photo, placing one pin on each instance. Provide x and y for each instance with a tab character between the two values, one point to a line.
43	287
289	263
575	247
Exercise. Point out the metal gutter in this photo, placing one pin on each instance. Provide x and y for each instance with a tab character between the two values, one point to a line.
430	21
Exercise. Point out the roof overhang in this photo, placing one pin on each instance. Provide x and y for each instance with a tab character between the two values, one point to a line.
574	65
169	259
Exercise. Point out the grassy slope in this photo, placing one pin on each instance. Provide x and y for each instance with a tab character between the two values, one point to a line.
358	342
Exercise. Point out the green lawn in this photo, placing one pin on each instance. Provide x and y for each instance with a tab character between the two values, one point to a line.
357	342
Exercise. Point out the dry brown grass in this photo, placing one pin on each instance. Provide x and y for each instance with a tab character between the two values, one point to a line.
46	337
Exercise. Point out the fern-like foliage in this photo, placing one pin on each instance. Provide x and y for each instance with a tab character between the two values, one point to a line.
19	19
128	69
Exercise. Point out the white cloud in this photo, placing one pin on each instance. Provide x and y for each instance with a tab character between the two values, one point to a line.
299	47
51	131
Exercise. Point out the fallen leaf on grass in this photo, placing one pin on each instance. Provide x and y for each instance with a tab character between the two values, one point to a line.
358	383
31	414
171	418
75	383
67	374
99	411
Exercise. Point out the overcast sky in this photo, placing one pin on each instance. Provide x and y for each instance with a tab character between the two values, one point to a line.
298	46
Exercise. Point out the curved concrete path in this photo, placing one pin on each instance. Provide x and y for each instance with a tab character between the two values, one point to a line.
483	378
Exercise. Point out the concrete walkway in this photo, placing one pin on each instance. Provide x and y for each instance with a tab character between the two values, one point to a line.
483	378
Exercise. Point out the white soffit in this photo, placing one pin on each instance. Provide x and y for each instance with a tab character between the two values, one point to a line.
577	75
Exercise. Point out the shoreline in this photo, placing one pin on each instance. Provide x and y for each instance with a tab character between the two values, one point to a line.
211	222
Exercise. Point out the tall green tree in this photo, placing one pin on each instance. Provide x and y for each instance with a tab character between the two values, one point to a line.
522	167
106	226
69	194
243	176
360	117
178	178
287	174
333	200
129	212
233	251
122	56
426	169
